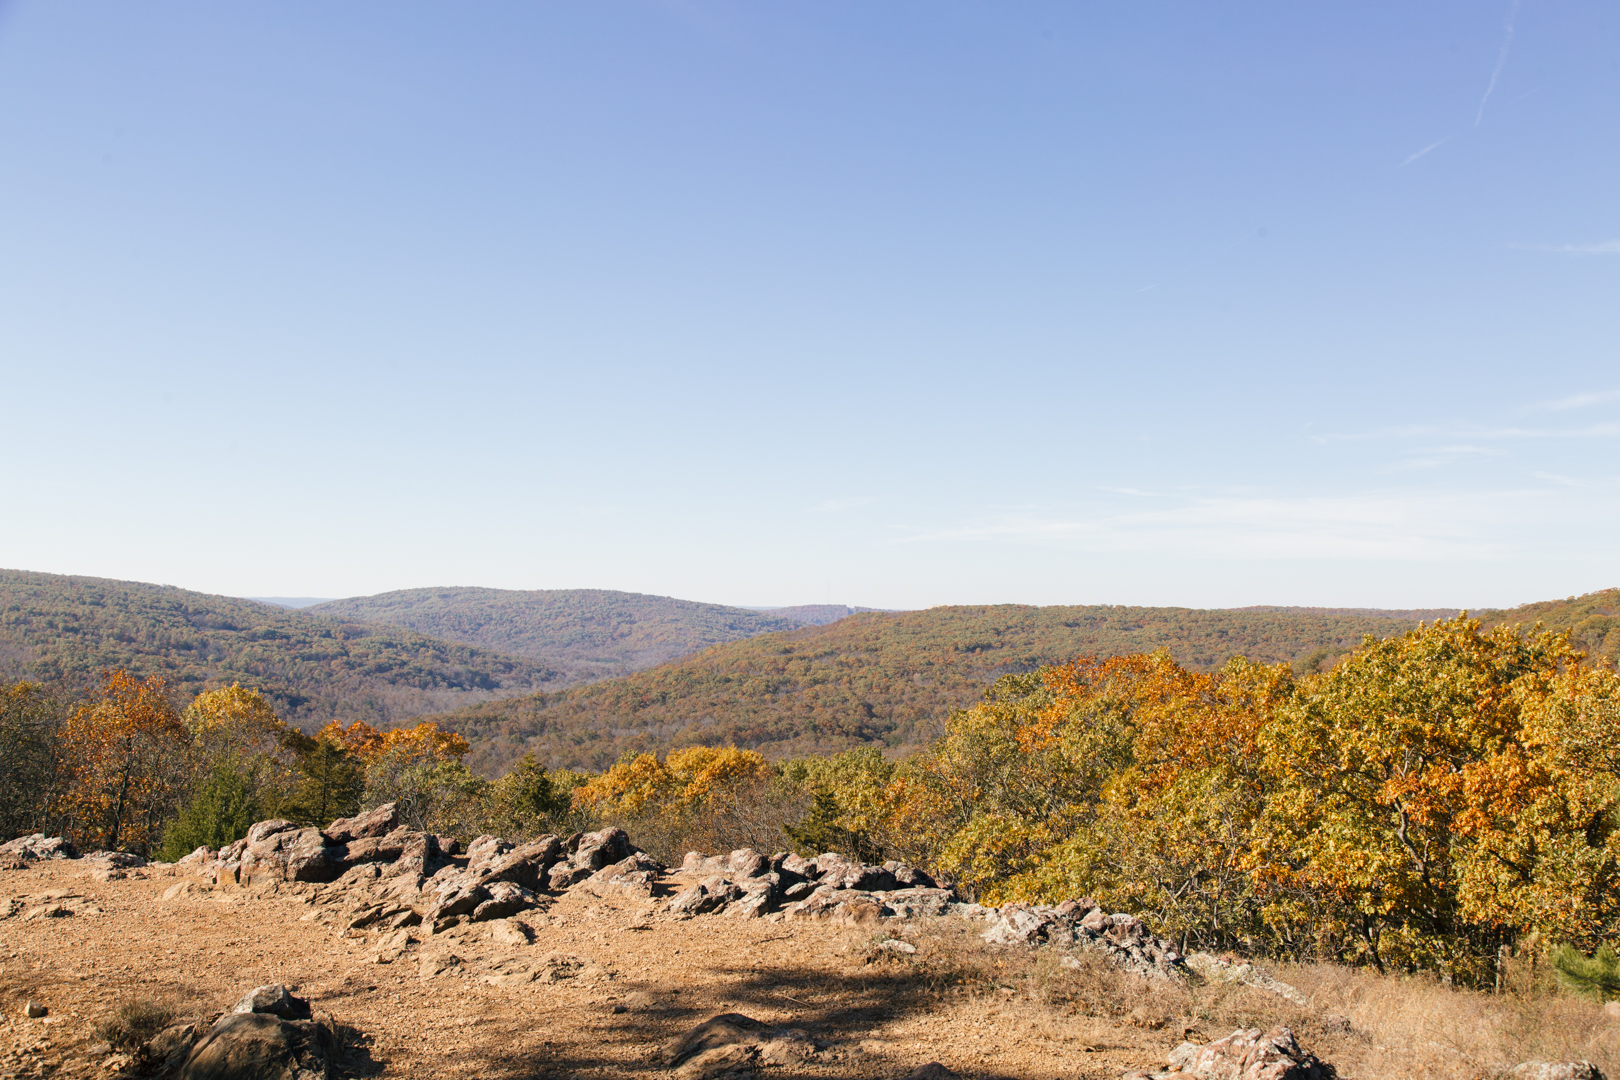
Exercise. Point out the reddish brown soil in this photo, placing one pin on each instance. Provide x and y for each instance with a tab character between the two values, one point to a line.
625	979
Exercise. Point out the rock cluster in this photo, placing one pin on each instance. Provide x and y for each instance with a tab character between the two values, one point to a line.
1246	1054
828	887
39	846
1083	924
416	878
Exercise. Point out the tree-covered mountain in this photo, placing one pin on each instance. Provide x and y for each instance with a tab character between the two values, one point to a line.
878	678
815	614
314	668
1593	620
585	633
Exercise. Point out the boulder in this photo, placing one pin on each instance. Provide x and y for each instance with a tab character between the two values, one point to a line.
636	876
710	894
909	877
505	899
119	859
263	830
39	846
731	1045
291	855
1250	1054
485	849
261	1046
510	932
598	849
389	847
1556	1070
274	999
747	863
372	823
849	907
200	857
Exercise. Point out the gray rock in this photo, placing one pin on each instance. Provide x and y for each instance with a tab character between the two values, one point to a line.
931	1071
201	856
274	999
1556	1070
372	823
598	849
120	859
1251	1054
291	855
510	932
705	896
259	1046
38	846
263	830
505	899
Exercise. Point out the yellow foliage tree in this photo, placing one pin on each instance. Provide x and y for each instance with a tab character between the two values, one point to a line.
126	751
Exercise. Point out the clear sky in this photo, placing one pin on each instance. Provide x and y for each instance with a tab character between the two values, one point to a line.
894	304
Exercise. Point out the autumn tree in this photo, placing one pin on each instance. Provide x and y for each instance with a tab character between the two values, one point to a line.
126	752
30	722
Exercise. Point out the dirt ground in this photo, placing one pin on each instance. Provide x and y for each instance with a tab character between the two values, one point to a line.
604	986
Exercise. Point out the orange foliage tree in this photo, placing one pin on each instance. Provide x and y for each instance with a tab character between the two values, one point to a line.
125	749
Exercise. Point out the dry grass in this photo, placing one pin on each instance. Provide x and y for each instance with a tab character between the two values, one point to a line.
1400	1027
136	1020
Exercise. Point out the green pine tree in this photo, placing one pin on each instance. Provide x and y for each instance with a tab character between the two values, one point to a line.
1596	976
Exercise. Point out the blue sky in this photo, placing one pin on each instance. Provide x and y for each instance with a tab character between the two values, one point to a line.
888	304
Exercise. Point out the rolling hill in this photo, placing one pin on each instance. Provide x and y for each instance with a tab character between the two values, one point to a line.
887	679
313	667
585	634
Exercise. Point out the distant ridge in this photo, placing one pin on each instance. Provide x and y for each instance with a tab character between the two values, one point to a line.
587	634
816	614
314	668
290	601
1399	615
890	680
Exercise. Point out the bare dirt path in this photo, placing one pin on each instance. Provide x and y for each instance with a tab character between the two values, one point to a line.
603	987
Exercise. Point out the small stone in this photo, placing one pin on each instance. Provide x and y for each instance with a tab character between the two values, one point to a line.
508	932
34	1010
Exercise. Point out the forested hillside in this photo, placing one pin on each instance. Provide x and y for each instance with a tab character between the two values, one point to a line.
815	614
584	633
312	668
886	679
1592	619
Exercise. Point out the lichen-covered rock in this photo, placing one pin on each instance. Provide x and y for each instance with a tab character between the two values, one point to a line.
708	895
291	855
1250	1054
373	823
38	846
1556	1070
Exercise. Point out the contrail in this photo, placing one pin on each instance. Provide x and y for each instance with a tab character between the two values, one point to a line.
1501	61
1423	151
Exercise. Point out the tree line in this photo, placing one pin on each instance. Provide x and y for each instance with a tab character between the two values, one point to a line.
1432	801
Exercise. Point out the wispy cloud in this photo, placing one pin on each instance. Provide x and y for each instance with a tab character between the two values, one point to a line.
1438	456
1575	401
1425	150
1470	432
1403	525
840	506
1606	247
1501	60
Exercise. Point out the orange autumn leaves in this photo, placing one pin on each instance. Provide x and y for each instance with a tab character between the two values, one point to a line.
128	758
1435	796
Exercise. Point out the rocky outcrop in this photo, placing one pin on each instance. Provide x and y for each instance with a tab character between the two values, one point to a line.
1246	1054
1084	924
39	846
829	887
